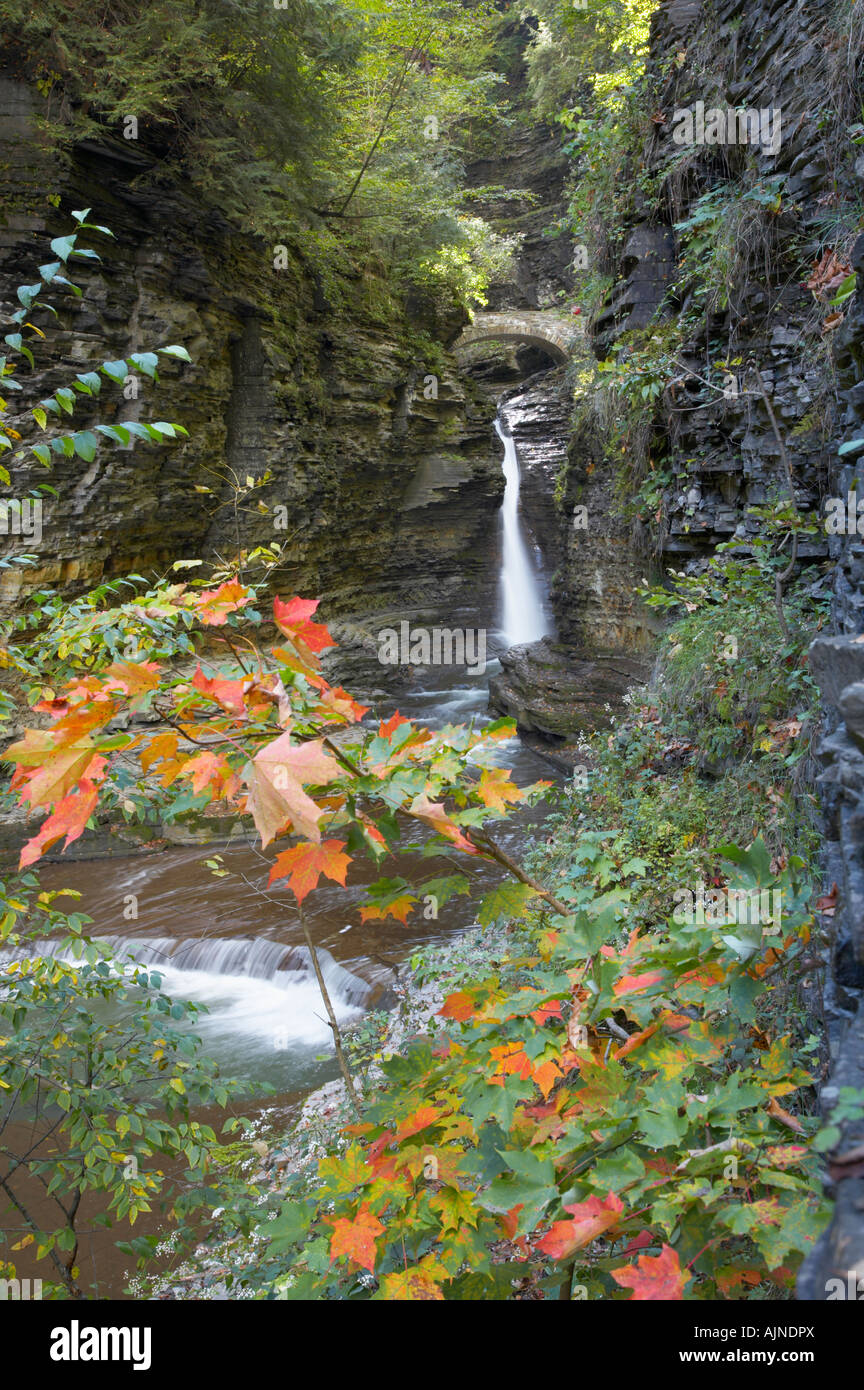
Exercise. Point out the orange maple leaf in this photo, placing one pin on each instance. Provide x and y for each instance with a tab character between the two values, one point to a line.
654	1278
132	677
388	727
58	764
495	788
421	1118
307	862
162	746
589	1219
398	909
207	770
459	1006
777	1112
356	1238
433	813
213	605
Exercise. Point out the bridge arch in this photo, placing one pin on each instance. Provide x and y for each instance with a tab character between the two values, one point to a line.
552	332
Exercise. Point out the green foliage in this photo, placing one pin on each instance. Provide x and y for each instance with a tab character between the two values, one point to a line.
82	444
100	1081
234	91
338	131
726	228
733	683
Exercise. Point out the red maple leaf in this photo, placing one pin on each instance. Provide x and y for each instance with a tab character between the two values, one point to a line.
228	694
634	984
292	618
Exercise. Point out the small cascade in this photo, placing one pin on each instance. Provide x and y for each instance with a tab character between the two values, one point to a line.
251	985
523	615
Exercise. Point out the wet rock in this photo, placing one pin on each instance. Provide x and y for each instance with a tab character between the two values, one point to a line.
552	691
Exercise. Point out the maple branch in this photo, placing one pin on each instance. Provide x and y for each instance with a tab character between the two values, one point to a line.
488	846
334	1026
322	986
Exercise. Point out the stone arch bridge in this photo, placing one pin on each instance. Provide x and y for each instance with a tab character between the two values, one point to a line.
545	329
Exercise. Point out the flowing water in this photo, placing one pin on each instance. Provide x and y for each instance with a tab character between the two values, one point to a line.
524	599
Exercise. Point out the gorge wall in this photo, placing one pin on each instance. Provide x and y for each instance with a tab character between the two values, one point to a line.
765	372
382	484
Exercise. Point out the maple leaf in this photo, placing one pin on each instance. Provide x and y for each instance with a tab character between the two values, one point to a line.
388	727
356	1238
133	677
421	1118
433	813
495	788
415	1284
459	1006
276	796
546	1074
227	693
339	702
778	1113
292	619
547	1011
307	862
455	1208
654	1278
634	984
162	746
213	605
69	818
730	1277
59	764
206	770
589	1219
397	908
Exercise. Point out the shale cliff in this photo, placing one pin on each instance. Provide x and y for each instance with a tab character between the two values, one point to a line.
382	470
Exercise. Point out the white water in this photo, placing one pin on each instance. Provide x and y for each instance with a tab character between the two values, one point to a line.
255	989
523	614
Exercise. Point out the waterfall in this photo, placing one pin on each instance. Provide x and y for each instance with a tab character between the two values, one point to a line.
252	986
523	613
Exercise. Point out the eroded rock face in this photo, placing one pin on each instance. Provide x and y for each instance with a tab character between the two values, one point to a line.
383	479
